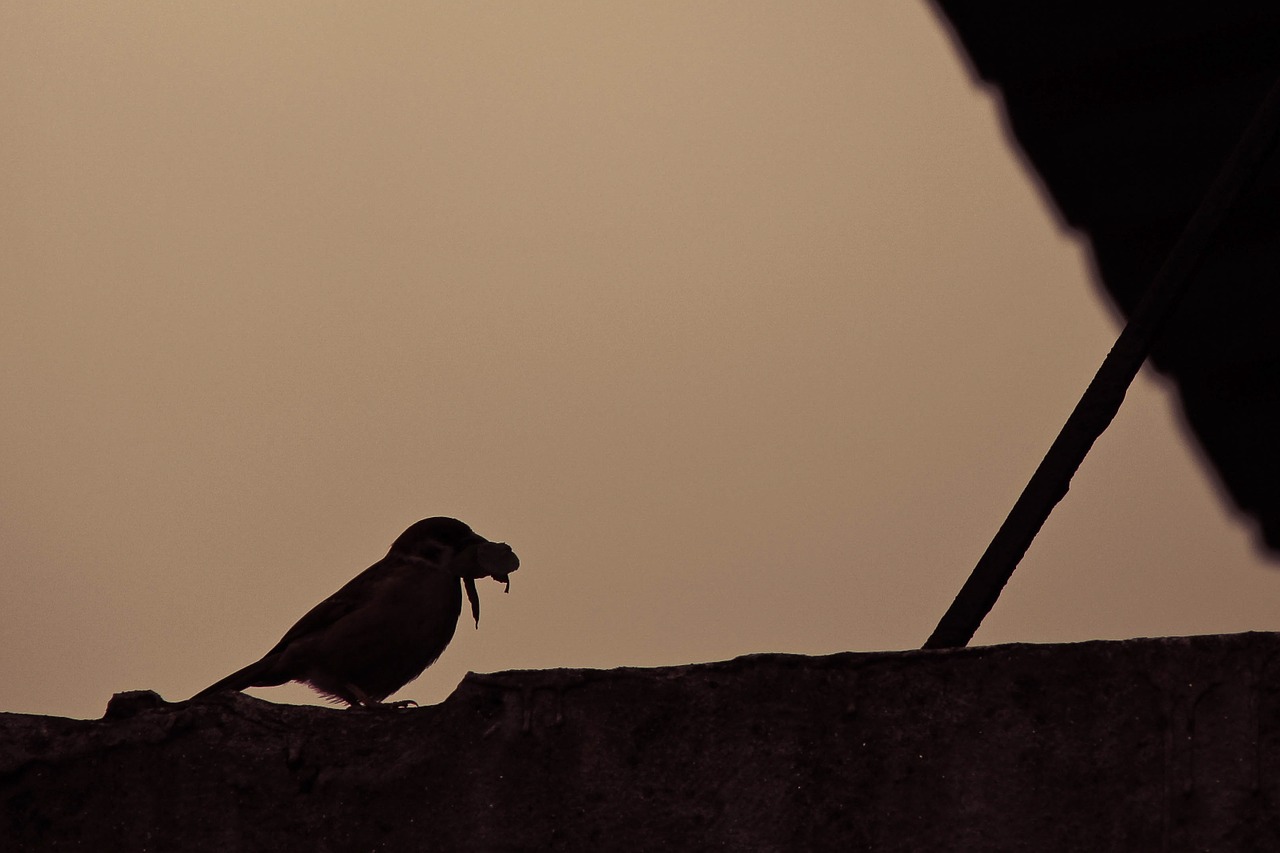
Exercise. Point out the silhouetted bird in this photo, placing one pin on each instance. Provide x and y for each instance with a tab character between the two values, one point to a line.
389	623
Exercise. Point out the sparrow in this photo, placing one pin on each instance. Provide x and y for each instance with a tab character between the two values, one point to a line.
388	623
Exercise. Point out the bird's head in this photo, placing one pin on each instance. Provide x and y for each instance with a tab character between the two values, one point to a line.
468	554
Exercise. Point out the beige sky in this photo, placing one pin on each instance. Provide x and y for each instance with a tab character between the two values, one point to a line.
741	322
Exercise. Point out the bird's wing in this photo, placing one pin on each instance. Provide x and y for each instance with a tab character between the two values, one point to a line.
353	593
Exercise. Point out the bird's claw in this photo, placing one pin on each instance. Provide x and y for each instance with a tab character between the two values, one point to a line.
371	705
399	705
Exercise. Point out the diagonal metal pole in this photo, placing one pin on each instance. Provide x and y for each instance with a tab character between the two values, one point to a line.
1102	399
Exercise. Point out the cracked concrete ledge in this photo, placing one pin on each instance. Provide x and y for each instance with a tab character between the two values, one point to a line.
1154	744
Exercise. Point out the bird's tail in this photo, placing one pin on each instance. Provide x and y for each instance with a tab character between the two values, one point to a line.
256	674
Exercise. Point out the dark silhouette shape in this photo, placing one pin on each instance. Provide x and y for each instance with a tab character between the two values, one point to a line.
388	623
1102	399
1126	111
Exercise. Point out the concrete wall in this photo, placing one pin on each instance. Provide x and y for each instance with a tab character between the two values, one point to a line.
1164	744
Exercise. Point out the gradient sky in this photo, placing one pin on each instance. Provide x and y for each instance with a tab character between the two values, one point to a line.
742	322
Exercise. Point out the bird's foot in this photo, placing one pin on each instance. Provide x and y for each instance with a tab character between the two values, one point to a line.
373	705
399	704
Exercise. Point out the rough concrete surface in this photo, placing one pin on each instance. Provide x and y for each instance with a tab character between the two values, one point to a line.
1163	744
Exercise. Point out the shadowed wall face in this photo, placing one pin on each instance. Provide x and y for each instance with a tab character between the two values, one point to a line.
1140	745
742	326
